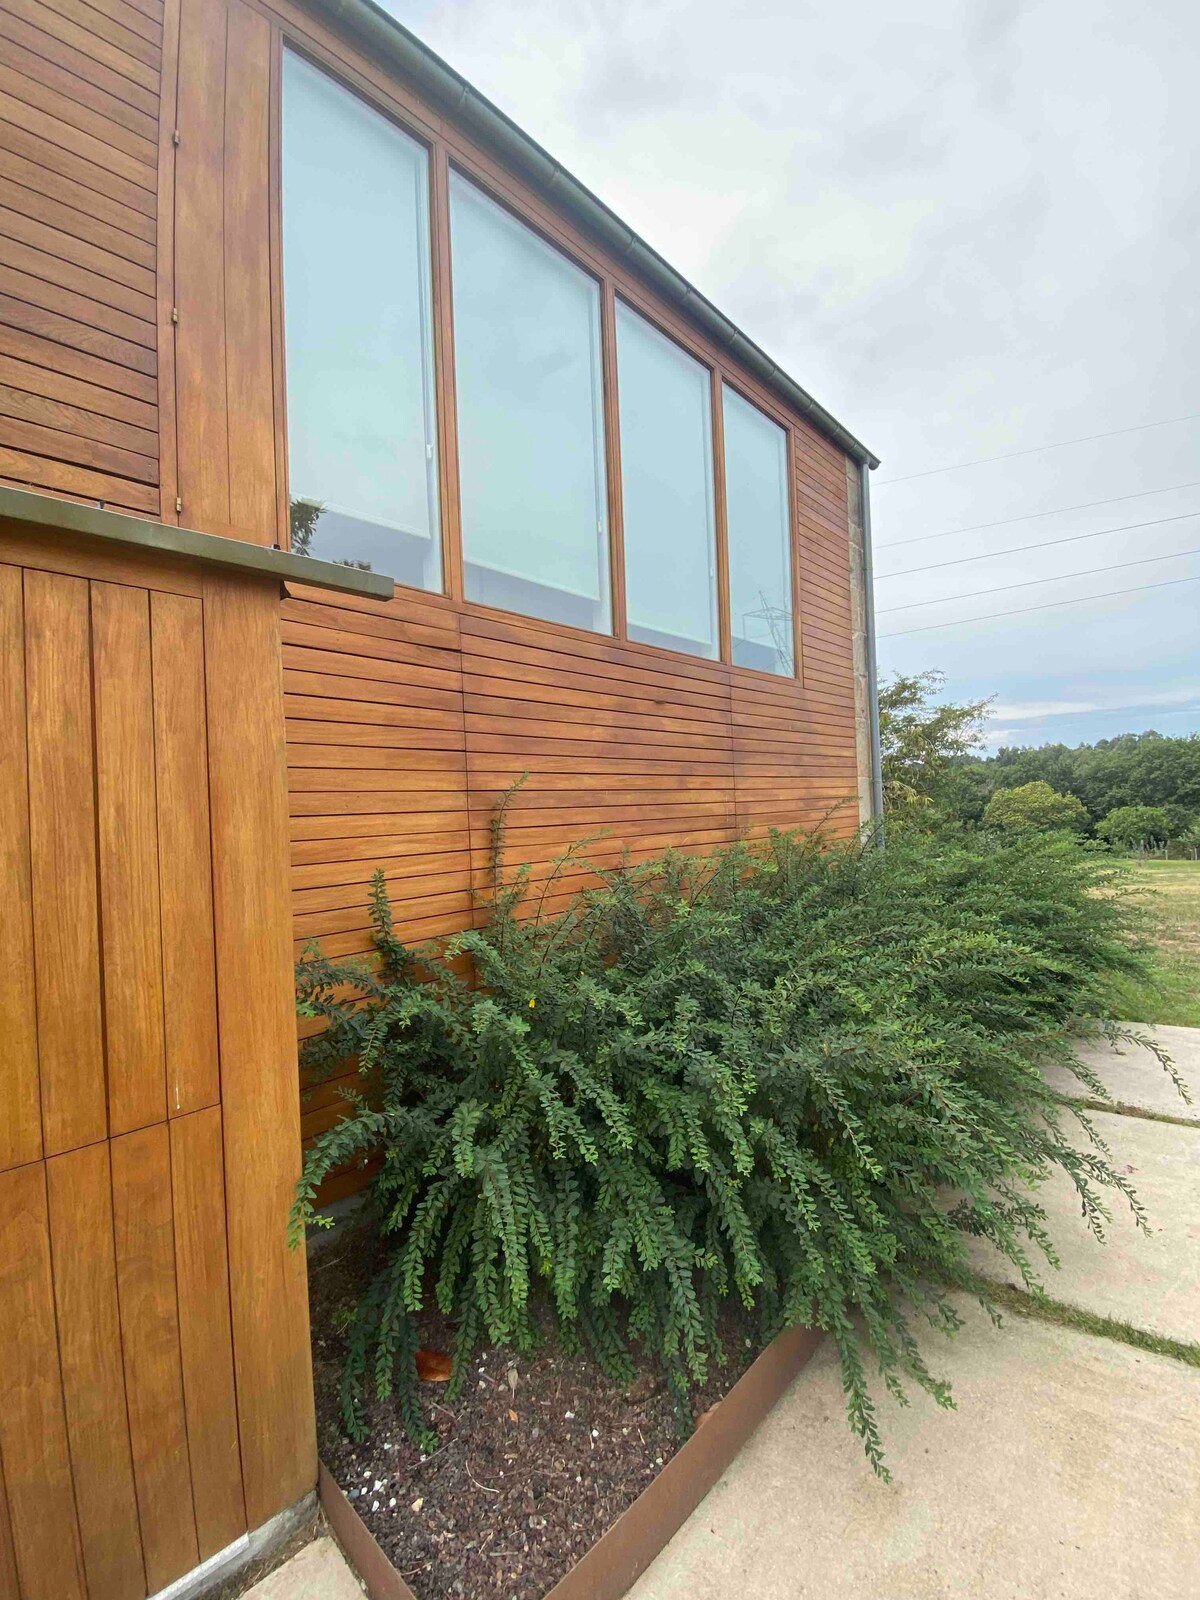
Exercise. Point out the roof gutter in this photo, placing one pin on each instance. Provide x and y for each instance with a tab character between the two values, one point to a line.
390	43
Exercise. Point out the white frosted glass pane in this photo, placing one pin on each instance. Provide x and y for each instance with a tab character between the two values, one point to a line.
760	563
362	443
530	419
666	489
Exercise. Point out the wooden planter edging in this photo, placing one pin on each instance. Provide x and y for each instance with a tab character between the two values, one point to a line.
620	1556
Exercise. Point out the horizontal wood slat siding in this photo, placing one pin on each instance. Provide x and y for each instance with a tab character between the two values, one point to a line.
80	87
407	719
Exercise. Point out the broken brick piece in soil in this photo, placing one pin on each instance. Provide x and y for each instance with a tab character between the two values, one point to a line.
535	1460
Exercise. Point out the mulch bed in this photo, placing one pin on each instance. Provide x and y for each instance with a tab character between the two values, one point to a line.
536	1459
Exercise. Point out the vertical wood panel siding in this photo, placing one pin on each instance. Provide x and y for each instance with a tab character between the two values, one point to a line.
79	163
157	1401
225	388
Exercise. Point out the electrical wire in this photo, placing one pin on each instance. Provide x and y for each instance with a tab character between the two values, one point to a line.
1042	544
1031	516
1050	605
1037	449
1030	583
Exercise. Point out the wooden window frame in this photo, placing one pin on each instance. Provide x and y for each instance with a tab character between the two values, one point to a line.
444	400
717	446
448	148
608	397
793	530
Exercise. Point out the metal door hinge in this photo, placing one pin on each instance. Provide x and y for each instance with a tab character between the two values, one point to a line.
174	313
175	137
178	503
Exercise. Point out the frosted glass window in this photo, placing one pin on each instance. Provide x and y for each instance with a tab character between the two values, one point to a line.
666	490
530	419
760	557
362	440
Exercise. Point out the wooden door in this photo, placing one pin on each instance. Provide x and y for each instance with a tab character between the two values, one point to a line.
155	1397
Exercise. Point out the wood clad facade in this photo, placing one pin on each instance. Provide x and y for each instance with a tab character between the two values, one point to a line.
150	1122
81	94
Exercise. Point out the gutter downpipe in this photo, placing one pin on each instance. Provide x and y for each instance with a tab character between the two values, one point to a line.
864	472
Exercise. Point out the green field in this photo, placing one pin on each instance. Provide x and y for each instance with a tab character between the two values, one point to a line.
1173	996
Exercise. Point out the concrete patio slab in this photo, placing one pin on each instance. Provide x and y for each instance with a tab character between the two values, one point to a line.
1134	1078
318	1572
1068	1472
1151	1281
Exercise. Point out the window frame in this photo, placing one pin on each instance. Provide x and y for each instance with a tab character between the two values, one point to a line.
375	99
447	148
608	419
284	42
720	549
793	515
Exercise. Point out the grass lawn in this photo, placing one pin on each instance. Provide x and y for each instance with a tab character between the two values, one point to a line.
1173	996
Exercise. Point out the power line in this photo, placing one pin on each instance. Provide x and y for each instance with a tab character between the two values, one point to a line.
1030	516
1037	449
1050	605
1030	583
1042	544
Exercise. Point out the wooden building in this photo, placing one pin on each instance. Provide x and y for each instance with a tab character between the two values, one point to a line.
271	271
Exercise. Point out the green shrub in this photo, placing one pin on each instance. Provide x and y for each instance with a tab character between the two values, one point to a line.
1136	825
1035	805
794	1074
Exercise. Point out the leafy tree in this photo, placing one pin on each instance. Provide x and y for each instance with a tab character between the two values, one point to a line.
1035	805
1130	769
1133	825
1181	820
921	738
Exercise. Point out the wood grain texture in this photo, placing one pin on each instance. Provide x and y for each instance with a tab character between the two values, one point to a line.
121	1420
9	1582
168	136
51	38
78	174
63	860
128	841
33	1430
184	853
200	352
248	344
145	1257
225	390
89	1334
260	1103
206	1343
20	1108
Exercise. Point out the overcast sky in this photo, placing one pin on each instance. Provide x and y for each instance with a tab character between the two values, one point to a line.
968	229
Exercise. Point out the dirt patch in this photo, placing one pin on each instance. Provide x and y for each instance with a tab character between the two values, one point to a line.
535	1461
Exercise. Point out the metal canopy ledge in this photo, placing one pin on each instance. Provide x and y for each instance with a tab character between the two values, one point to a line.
239	555
390	43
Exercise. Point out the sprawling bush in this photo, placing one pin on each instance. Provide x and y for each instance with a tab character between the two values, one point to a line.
795	1074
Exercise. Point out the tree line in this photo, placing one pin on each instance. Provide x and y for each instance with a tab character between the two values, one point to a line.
1135	789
